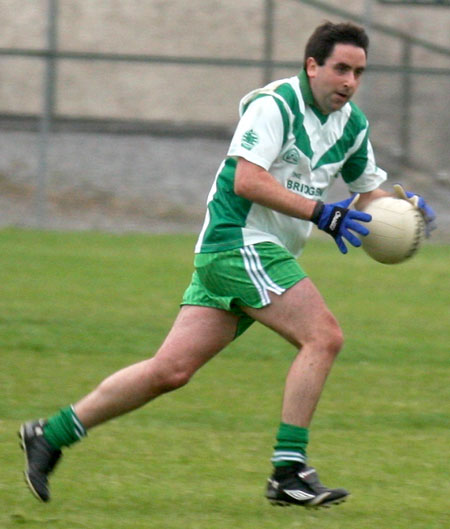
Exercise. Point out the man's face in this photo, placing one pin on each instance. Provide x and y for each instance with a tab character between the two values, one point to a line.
334	83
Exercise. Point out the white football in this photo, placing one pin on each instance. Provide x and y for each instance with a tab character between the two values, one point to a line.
397	230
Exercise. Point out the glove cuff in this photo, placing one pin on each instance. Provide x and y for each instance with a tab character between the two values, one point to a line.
317	212
333	222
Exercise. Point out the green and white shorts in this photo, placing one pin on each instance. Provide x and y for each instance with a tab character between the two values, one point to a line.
242	277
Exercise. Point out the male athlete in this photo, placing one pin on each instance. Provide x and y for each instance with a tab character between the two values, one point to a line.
295	136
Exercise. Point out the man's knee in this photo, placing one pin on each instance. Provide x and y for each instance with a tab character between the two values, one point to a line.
335	339
329	337
169	378
177	379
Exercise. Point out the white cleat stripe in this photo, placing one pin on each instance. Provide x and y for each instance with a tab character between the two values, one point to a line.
298	494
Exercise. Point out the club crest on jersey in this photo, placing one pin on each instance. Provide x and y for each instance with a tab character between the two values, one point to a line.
249	139
291	156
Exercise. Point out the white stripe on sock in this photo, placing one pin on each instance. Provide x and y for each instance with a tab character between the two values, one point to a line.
288	456
80	430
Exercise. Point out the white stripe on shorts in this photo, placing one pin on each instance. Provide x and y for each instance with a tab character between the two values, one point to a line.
261	280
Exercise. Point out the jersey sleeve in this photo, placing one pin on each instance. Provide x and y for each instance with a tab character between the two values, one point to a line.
259	134
360	171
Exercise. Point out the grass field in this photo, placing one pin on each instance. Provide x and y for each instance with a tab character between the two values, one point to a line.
76	307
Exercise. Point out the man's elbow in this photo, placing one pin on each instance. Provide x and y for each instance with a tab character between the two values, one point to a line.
241	187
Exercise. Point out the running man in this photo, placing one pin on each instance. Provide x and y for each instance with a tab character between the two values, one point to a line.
294	138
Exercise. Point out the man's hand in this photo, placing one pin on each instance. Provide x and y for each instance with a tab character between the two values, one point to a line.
418	202
337	219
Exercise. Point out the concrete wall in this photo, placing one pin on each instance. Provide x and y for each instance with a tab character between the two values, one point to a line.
208	28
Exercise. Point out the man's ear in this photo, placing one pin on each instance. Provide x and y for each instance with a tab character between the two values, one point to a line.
311	67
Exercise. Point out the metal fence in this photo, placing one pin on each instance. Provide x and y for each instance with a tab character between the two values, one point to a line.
432	3
407	77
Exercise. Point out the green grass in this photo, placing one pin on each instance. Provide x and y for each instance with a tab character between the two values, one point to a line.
75	307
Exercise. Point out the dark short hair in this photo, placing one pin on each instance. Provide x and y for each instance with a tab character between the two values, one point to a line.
321	43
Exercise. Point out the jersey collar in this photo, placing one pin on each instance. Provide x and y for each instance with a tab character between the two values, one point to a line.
308	96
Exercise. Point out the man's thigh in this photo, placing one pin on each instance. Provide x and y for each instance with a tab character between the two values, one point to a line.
196	336
300	314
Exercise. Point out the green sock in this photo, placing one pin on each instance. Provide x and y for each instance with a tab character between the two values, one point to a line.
291	445
64	428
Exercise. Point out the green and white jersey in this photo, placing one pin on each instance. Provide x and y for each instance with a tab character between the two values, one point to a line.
282	131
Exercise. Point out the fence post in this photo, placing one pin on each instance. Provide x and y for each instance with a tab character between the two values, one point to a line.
45	122
268	41
406	102
367	23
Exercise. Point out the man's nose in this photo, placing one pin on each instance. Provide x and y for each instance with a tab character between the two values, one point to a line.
350	79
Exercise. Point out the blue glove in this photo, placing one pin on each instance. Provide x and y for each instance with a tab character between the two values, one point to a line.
417	201
337	219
